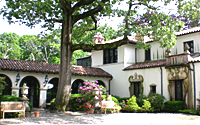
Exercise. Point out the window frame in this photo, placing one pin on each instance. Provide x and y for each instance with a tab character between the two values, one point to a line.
153	89
148	55
110	56
189	43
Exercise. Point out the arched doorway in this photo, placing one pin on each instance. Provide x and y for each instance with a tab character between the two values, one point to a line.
101	83
7	90
33	91
76	85
51	93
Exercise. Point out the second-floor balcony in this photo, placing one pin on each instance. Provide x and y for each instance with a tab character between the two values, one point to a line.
181	59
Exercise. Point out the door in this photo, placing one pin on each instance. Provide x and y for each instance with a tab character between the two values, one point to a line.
136	89
178	90
33	91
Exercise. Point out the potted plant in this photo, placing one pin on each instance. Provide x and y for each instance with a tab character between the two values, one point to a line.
37	112
91	110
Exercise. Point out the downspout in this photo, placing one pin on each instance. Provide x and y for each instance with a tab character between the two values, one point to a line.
109	85
194	86
135	55
161	80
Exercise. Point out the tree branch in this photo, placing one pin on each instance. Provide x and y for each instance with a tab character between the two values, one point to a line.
88	47
95	21
63	4
149	6
55	20
127	19
88	13
81	3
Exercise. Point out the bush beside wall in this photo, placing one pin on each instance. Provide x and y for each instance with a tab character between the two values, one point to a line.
173	106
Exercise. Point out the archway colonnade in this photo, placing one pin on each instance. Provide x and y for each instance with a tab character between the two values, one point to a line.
39	94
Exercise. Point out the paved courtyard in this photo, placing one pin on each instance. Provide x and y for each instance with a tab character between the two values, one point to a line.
47	118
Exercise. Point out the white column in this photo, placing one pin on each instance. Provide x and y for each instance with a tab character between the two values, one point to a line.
15	89
43	96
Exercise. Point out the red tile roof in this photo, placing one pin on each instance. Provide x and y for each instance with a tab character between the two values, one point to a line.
133	40
146	65
29	66
187	31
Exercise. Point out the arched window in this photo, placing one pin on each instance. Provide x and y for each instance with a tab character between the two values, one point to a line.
7	90
51	93
76	85
101	83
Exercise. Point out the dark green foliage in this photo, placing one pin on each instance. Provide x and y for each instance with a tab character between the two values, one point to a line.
140	99
173	106
9	98
189	111
73	104
156	100
31	106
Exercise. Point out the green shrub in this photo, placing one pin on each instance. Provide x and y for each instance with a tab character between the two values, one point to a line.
132	105
9	98
189	111
146	107
113	98
73	104
31	106
173	106
140	99
124	98
156	100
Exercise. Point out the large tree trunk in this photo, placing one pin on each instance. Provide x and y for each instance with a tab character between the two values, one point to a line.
64	85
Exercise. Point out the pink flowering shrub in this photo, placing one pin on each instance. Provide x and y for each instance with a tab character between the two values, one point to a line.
87	91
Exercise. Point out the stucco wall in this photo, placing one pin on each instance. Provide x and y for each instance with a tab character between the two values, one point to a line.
129	55
197	81
97	58
179	48
120	84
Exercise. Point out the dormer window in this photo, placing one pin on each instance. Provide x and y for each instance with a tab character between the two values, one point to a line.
191	45
148	55
110	56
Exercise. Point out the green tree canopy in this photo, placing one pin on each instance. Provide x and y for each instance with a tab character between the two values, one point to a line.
9	46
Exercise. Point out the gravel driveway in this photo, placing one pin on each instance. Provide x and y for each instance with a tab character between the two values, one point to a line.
47	118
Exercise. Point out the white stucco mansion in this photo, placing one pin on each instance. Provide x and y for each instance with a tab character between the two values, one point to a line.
124	71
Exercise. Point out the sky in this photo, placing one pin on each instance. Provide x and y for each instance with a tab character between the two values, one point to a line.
24	30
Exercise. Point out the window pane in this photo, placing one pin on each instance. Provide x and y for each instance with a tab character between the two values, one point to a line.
191	45
147	54
111	56
115	54
106	56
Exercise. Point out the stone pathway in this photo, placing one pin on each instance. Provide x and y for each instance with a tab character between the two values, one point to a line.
47	118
